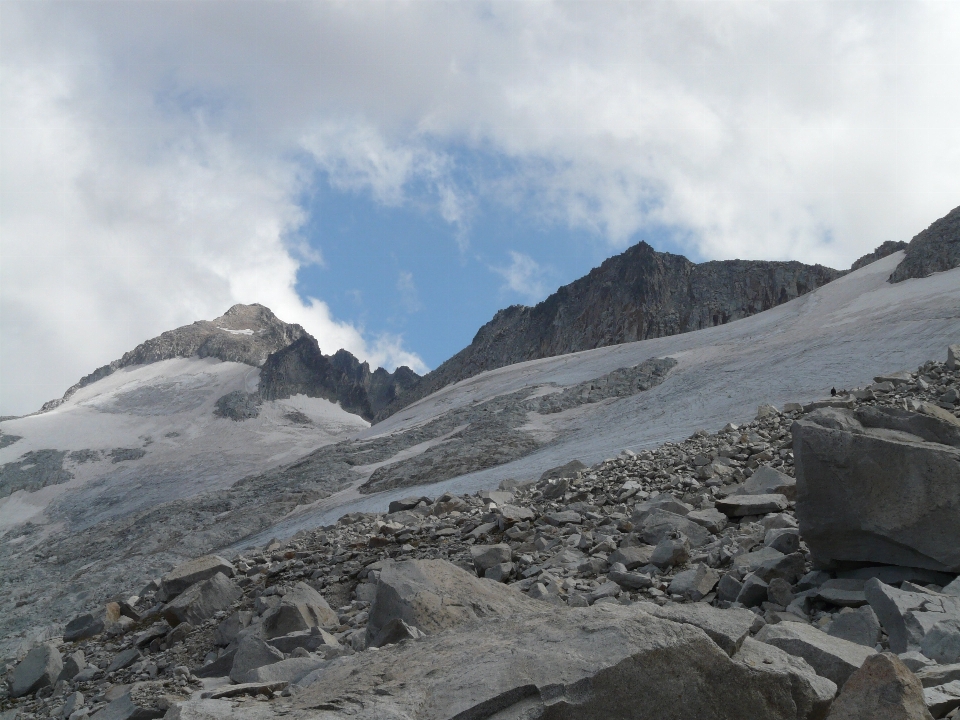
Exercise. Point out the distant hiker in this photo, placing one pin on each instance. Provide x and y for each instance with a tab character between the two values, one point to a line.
833	392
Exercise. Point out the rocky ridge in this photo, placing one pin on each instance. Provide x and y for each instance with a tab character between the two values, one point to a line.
637	295
934	250
694	546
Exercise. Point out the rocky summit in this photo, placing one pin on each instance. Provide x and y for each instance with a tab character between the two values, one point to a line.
800	565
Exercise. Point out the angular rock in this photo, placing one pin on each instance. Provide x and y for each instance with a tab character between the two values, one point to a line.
228	630
395	631
82	627
202	600
753	591
866	494
780	592
630	580
831	657
813	694
859	626
123	659
41	667
905	616
742	505
941	699
752	561
711	519
631	557
729	588
252	653
942	642
141	701
694	584
606	661
785	540
843	592
953	357
671	550
915	660
727	628
934	675
72	665
189	573
883	687
288	671
660	523
231	691
500	573
768	481
432	595
217	668
301	608
486	556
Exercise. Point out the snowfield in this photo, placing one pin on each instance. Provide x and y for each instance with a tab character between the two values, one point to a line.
841	335
164	410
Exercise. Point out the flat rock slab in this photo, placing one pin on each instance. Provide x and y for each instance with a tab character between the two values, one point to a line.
942	698
194	571
831	657
727	628
607	662
742	505
250	688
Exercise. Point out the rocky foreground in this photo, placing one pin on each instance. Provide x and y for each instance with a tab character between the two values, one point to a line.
801	566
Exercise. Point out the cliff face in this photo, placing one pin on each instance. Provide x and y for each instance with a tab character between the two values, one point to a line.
637	295
934	250
302	368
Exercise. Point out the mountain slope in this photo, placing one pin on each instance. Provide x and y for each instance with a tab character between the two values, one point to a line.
934	250
638	295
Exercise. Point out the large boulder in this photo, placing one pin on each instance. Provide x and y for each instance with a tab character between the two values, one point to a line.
192	572
727	628
907	616
40	668
202	600
883	688
606	662
881	486
831	657
659	524
301	608
432	595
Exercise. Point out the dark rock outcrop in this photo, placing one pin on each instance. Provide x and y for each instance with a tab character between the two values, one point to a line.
244	334
637	295
302	368
887	248
934	250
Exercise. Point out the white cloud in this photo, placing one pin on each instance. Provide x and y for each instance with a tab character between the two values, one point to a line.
523	276
153	154
409	297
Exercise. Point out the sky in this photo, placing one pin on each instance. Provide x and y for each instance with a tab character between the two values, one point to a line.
390	174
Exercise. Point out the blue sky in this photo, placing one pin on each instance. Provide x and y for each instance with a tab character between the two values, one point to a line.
389	174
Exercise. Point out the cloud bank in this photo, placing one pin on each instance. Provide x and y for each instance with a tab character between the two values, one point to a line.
153	156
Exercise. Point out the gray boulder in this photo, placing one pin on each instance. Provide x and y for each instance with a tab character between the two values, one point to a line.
41	667
486	556
814	694
934	675
876	494
395	631
658	524
631	557
83	627
942	699
859	626
192	572
694	584
252	653
141	701
942	642
768	481
908	616
301	608
953	357
883	687
711	519
202	600
831	657
727	628
433	595
844	592
785	540
605	662
72	665
290	670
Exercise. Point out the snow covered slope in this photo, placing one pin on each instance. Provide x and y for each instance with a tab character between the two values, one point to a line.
841	335
147	434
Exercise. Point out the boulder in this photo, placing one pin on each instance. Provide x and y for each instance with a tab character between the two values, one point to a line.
393	632
658	524
289	671
727	628
844	592
831	657
934	675
192	572
711	519
252	653
953	357
301	608
433	595
673	549
202	600
742	505
785	540
228	630
883	687
72	665
768	481
859	626
753	591
814	694
908	616
41	667
942	642
867	493
82	627
695	583
631	557
606	661
486	556
941	699
140	701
